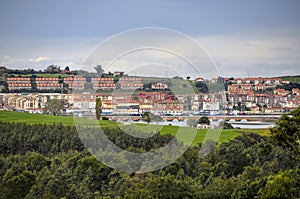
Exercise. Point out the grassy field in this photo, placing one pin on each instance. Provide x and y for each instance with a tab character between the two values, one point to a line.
225	135
293	79
46	75
9	116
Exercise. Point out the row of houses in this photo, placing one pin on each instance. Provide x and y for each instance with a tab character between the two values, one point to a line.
115	103
279	98
257	80
44	83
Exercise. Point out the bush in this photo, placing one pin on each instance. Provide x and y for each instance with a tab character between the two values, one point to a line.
105	118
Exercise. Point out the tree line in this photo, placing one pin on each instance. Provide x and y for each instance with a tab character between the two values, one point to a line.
50	161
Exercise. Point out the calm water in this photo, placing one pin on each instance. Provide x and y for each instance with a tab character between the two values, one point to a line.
253	125
236	124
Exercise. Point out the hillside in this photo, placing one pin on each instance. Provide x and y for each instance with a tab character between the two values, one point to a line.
226	135
292	79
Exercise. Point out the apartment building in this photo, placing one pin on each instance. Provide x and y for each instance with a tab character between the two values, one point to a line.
47	83
19	83
130	83
102	83
75	82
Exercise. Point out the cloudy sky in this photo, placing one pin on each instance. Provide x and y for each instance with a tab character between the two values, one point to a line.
243	38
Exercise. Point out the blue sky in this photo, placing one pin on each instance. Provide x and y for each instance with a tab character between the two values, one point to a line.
255	38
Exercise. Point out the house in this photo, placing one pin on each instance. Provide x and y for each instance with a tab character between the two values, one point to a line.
75	82
126	107
281	91
159	86
18	83
259	87
130	83
285	81
168	106
199	79
246	86
47	83
296	91
118	73
233	87
24	102
19	86
214	80
103	83
211	106
202	126
48	86
255	109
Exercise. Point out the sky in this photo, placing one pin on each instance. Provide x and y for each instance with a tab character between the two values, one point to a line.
240	38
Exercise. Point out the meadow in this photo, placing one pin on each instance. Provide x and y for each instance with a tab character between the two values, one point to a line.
220	136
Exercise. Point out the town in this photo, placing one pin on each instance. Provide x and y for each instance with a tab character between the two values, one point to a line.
122	94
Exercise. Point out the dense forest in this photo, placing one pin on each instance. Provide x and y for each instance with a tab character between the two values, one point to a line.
50	161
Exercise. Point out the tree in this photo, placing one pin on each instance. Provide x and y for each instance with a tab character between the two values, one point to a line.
188	77
98	108
99	70
148	117
53	69
287	130
225	125
202	87
54	107
204	120
192	122
67	68
284	184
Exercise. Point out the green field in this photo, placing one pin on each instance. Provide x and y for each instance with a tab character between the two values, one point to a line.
45	75
292	79
226	134
9	116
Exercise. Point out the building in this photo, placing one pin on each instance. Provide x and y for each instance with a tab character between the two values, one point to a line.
130	83
19	83
211	106
101	83
159	86
75	82
259	87
199	79
47	83
118	73
296	91
126	107
30	102
281	91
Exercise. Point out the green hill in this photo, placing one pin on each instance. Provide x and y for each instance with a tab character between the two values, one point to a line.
226	135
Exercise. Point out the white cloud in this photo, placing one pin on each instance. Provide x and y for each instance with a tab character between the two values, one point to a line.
235	54
39	59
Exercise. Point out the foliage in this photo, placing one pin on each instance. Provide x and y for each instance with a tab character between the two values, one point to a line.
54	107
150	117
9	116
287	130
50	161
98	108
289	86
192	122
204	120
225	125
99	70
202	87
105	118
284	184
53	69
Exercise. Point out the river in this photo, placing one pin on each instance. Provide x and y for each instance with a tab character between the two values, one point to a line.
235	124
